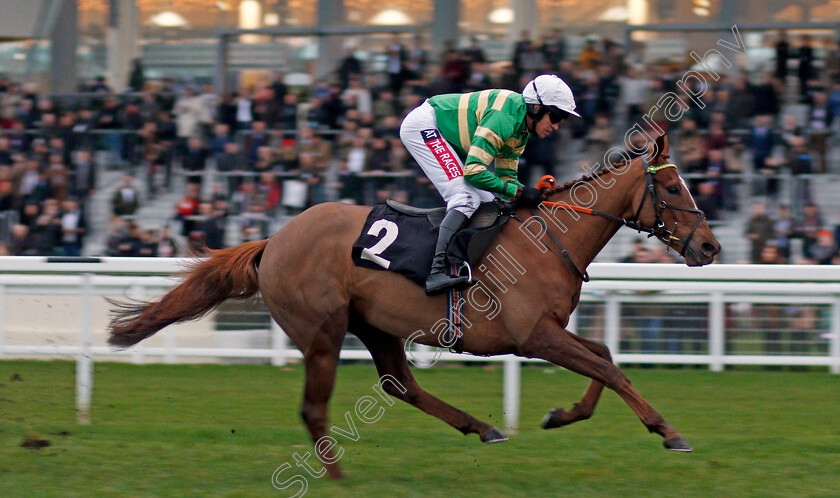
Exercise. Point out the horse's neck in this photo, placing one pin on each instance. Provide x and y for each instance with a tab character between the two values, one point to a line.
588	234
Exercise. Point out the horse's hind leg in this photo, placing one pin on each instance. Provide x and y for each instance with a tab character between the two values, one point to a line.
548	341
321	360
389	356
584	409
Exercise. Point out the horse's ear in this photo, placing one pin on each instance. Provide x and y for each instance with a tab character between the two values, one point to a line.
660	149
662	143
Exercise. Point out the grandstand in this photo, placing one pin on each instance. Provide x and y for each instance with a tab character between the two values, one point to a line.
300	127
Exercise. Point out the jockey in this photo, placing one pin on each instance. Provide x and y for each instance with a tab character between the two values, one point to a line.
455	137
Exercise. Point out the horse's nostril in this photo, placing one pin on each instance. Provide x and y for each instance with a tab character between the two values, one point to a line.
710	249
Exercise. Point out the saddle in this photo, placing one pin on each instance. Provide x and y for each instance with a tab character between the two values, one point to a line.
401	238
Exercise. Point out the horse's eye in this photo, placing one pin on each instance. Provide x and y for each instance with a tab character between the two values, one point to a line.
673	189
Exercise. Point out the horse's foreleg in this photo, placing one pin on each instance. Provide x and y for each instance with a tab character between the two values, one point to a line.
584	409
321	361
389	356
550	342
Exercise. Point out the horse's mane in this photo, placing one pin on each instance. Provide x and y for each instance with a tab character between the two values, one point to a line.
585	178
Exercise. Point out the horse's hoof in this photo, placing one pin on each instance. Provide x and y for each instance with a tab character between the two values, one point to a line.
677	444
552	419
494	436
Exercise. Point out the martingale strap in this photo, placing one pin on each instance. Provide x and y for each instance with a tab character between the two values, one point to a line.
583	275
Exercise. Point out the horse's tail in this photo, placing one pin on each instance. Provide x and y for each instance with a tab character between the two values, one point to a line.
227	273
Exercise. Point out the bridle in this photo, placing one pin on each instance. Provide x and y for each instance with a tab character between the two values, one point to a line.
659	230
659	206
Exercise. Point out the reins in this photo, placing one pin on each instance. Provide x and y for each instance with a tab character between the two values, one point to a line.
659	206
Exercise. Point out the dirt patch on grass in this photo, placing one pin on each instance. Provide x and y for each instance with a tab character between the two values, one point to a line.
35	441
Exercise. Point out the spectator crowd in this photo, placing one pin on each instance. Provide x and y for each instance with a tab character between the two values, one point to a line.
243	158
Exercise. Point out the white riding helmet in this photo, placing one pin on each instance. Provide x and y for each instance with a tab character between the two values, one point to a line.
550	92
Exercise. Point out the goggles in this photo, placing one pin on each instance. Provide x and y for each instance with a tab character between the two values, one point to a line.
557	116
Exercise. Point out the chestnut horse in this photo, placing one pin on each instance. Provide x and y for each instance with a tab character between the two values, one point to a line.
312	288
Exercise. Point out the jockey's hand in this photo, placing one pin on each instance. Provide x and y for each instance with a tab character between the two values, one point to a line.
529	196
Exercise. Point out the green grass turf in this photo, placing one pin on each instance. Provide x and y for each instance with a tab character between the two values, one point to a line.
202	430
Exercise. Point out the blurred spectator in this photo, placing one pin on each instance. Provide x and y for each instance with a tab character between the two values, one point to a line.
741	108
207	229
521	46
554	48
395	64
221	136
799	163
809	228
126	199
766	95
783	231
825	249
349	68
417	58
837	234
759	230
229	162
473	52
147	247
356	96
478	78
805	69
227	111
189	113
690	147
454	72
253	224
589	55
638	253
242	200
136	80
73	228
166	247
782	55
45	233
707	200
19	242
819	124
633	95
187	207
83	171
195	159
287	118
761	144
130	241
269	190
244	116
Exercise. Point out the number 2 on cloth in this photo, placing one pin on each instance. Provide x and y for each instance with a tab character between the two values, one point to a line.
373	253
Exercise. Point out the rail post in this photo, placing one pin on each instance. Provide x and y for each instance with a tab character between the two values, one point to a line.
169	345
716	331
2	320
834	340
612	325
512	388
84	362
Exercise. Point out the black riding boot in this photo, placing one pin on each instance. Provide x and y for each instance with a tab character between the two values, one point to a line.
439	279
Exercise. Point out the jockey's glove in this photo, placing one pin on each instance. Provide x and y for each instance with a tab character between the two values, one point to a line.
528	196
